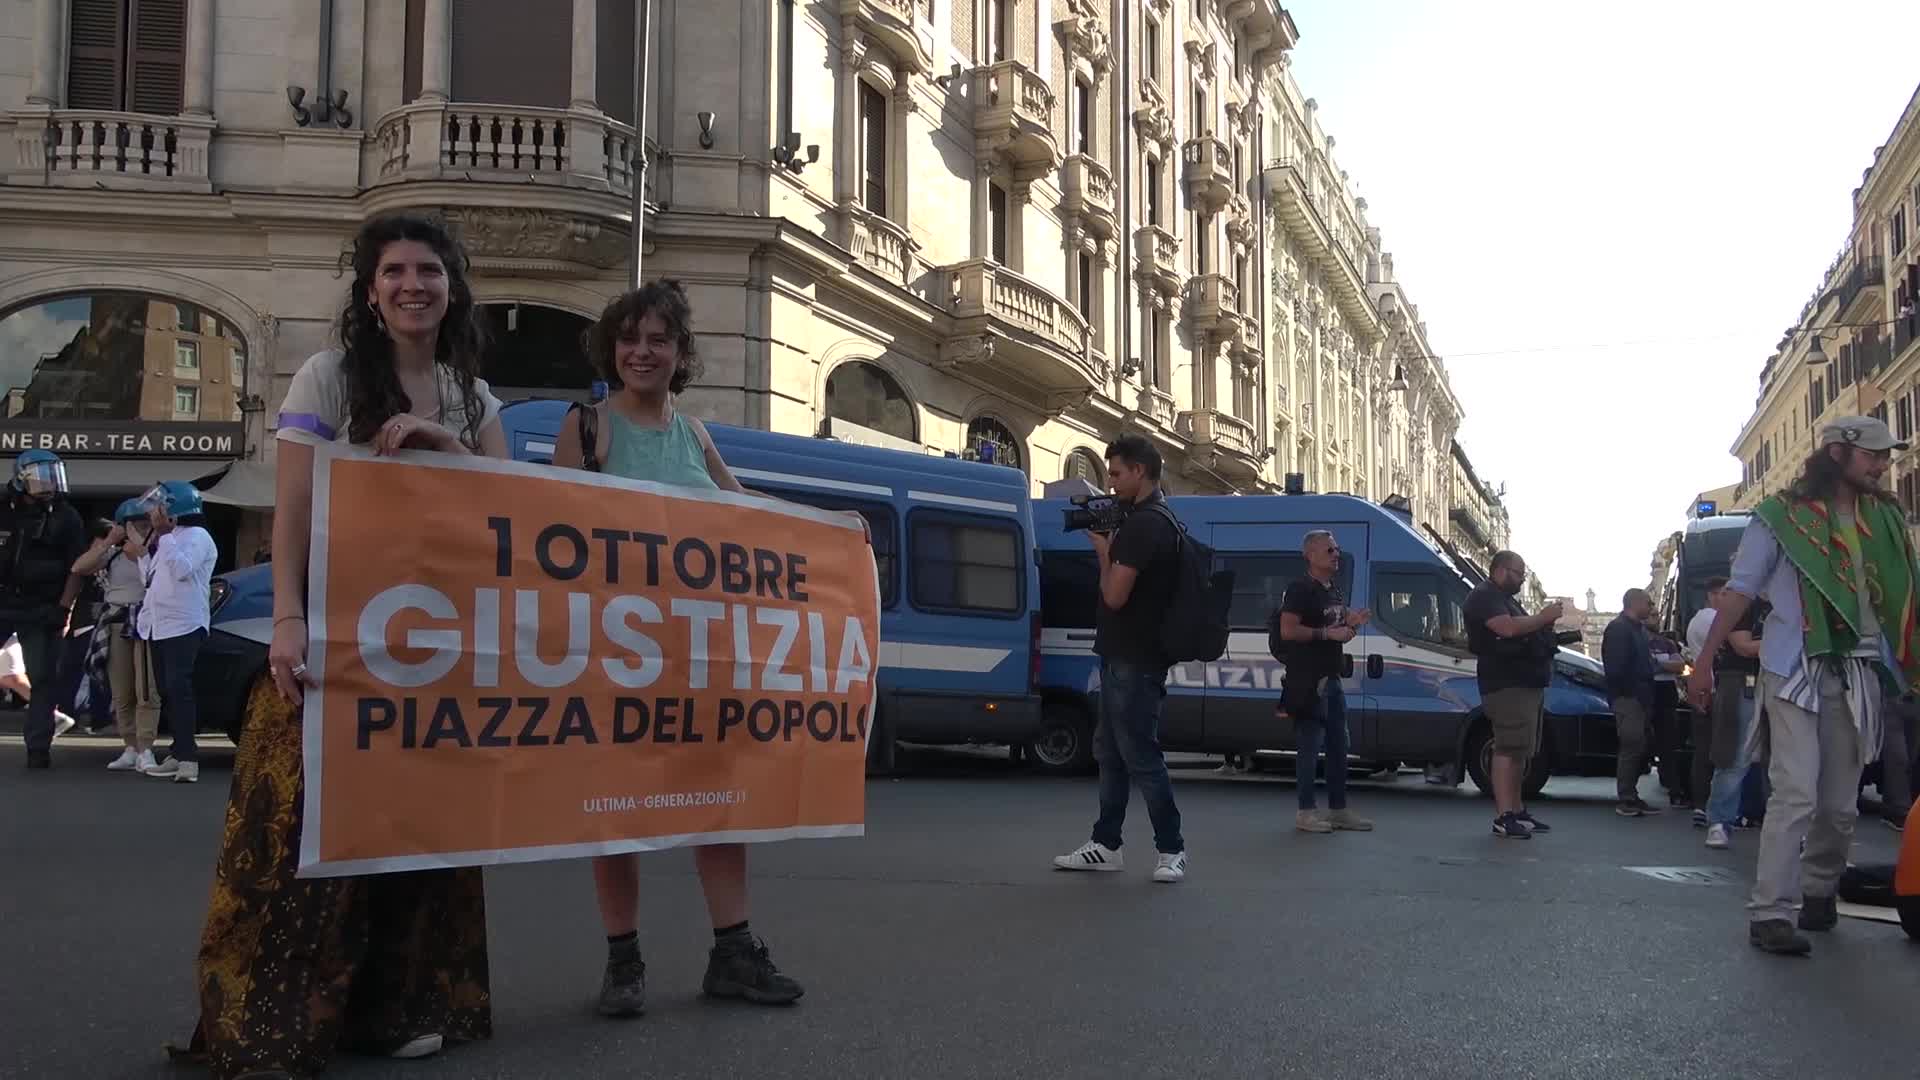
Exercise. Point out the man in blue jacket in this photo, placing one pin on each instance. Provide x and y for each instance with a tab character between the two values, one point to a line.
1627	654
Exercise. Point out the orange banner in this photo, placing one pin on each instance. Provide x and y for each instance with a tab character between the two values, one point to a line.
520	663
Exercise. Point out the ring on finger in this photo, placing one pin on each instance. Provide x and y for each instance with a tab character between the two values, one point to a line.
297	670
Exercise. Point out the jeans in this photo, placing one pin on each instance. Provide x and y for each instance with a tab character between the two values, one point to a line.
1723	800
40	645
1328	726
1126	743
1815	771
173	662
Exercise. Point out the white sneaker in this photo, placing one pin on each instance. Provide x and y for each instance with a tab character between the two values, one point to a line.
126	762
424	1046
1091	856
1172	868
165	770
1717	837
62	723
144	762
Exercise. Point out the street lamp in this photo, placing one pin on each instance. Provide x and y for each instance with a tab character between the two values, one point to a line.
1399	383
1816	355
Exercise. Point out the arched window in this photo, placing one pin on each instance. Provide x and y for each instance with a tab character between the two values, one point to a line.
989	440
864	394
120	356
1086	465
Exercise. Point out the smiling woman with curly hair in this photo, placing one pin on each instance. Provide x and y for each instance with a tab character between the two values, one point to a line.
292	969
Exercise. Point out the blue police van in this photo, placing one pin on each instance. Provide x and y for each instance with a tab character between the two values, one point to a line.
952	540
1411	689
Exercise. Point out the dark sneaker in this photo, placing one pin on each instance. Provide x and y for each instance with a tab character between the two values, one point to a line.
1700	819
1778	936
1629	808
1896	822
1746	823
740	967
1532	823
39	759
1511	827
623	990
1819	913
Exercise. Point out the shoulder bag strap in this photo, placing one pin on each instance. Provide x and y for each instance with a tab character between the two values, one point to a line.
589	437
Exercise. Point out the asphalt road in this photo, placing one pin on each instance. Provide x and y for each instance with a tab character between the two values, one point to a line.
943	945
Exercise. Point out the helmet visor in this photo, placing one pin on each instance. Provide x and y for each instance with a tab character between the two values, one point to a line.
155	496
42	478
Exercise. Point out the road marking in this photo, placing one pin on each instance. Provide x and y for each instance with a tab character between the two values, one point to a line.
1687	875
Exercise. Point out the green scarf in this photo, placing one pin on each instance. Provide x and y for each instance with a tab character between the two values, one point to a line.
1829	601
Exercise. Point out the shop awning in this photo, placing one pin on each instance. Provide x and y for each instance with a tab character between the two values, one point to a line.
248	484
127	477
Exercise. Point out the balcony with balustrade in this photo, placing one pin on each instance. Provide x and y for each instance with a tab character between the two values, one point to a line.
1863	291
904	28
1226	439
1086	189
882	245
1207	172
506	144
1158	252
1019	328
1013	116
1290	193
120	151
1213	306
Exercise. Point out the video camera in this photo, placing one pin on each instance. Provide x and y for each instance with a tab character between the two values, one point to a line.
1095	513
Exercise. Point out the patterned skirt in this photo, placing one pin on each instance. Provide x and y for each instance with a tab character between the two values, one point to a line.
293	969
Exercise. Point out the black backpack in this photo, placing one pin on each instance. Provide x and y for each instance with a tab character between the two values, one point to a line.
1196	624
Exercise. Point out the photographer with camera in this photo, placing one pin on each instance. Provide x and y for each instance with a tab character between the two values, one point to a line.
1515	652
1137	540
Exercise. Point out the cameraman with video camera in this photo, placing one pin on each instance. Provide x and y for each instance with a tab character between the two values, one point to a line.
1515	652
1137	540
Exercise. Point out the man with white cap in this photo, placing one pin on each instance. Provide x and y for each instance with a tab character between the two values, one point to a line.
1832	556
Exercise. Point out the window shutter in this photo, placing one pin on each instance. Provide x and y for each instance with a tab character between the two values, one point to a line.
873	121
157	60
94	34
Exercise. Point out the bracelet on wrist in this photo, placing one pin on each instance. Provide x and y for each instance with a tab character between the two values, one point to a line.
289	618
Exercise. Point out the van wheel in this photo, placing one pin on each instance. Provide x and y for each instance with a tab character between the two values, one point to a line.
882	751
1064	746
1480	765
1909	908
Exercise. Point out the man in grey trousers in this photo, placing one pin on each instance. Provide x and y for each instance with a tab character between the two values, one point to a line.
1833	558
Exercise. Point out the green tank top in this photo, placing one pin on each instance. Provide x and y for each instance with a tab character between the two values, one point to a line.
670	456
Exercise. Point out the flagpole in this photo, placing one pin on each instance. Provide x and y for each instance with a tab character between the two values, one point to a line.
642	15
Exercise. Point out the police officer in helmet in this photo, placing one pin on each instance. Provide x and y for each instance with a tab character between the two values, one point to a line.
41	537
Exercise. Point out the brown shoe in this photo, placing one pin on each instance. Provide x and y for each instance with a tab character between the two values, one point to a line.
1313	821
1777	936
1348	821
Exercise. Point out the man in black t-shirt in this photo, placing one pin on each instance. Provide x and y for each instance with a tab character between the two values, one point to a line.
1515	652
1312	627
1138	570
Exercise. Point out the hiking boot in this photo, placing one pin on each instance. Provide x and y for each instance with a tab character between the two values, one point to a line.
1313	821
623	989
1777	936
740	967
1819	913
1345	820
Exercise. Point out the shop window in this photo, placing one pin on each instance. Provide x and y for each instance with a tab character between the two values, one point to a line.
86	356
535	351
1086	465
864	394
989	440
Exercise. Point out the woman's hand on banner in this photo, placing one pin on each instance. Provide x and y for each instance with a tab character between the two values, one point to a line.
408	432
287	659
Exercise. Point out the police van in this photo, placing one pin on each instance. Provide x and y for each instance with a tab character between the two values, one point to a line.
952	540
1412	697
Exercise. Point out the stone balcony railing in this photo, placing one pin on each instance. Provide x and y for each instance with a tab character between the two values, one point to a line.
1231	437
1208	172
90	148
1013	114
1086	188
505	144
1158	252
1035	334
1214	304
903	27
884	247
1157	405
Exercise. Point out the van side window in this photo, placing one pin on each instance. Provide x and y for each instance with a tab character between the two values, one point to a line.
1069	589
963	563
1259	581
880	520
1421	605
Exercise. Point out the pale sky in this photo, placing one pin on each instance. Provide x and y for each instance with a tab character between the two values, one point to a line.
1620	207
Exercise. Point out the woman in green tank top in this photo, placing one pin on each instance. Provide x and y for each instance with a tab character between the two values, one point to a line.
643	345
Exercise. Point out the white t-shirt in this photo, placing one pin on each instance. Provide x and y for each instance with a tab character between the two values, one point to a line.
122	582
315	409
1697	631
179	577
